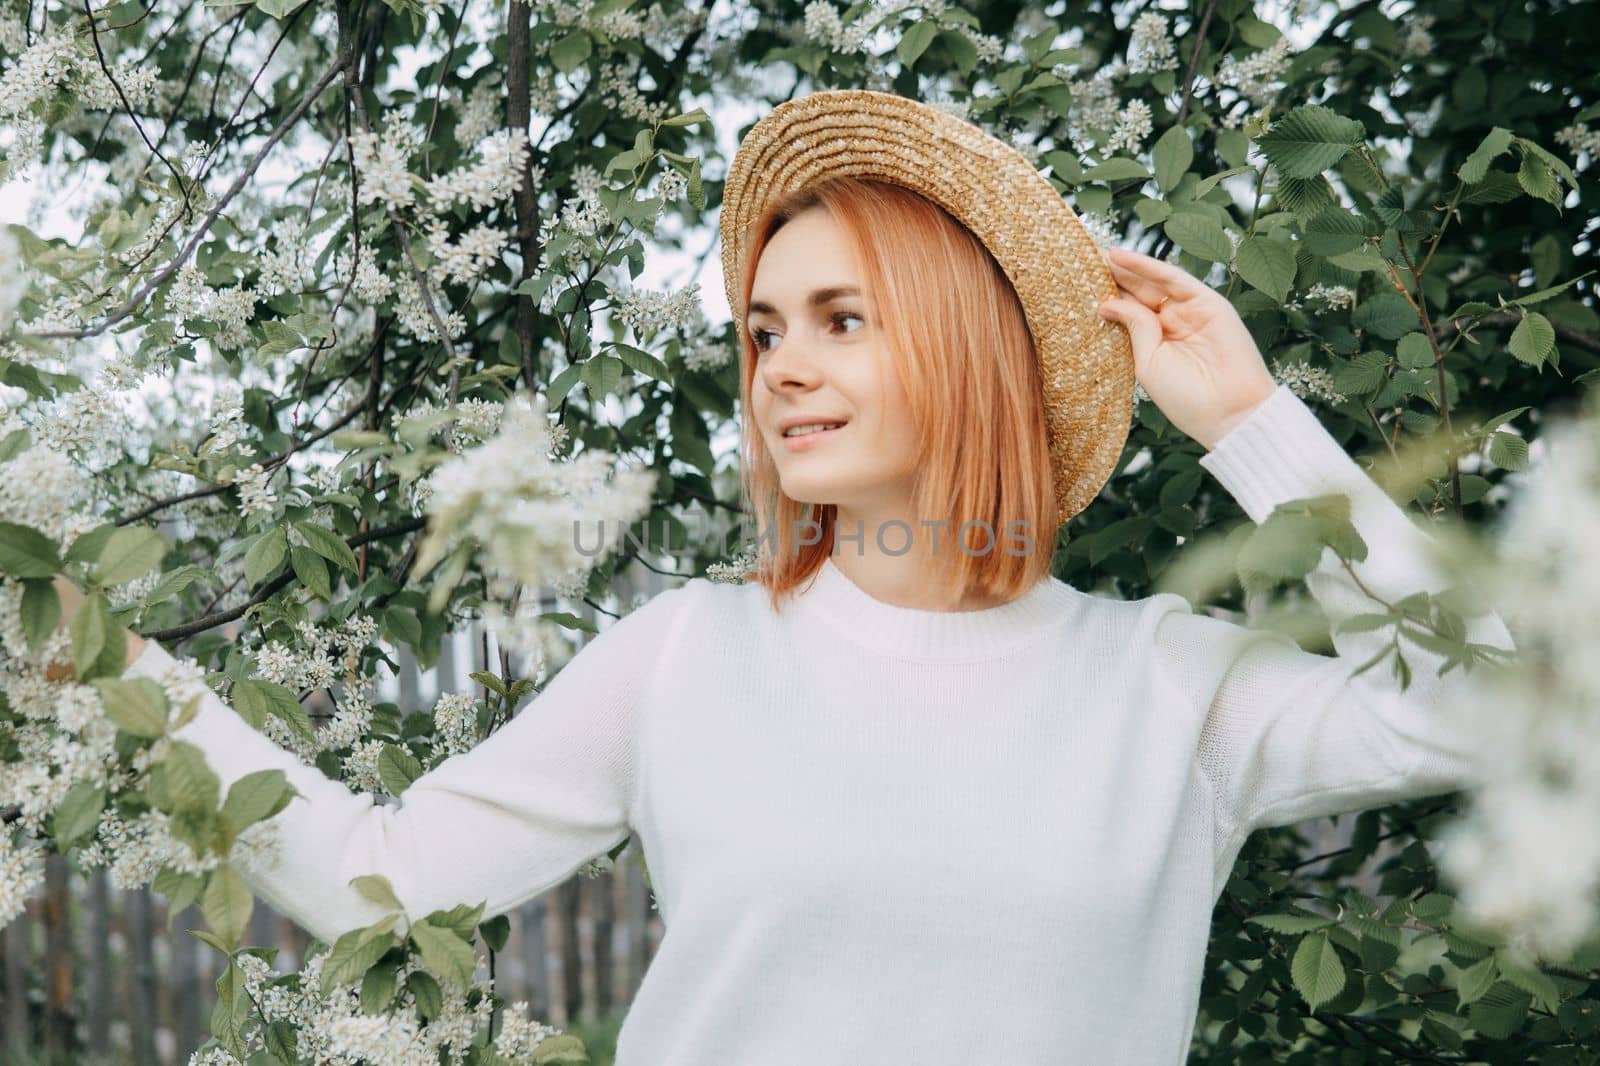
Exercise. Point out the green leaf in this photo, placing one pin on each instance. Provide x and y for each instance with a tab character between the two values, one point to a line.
1535	982
232	1007
311	570
39	612
1534	339
446	955
265	555
189	783
279	339
1508	451
174	582
137	705
602	374
495	932
1387	315
14	444
1268	265
489	681
1475	980
92	630
963	53
1364	375
1415	351
25	552
78	814
328	544
1494	144
570	52
1309	140
1283	547
1199	235
397	768
562	1047
568	620
1501	1011
1333	231
1117	168
256	797
256	699
430	998
643	362
562	384
130	553
378	986
1292	924
357	950
404	625
282	1040
278	9
1537	181
1316	969
227	904
916	41
1174	152
377	888
689	118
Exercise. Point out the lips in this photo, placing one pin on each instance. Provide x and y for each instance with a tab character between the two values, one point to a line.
798	421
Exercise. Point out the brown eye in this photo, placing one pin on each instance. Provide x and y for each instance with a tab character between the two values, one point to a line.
849	314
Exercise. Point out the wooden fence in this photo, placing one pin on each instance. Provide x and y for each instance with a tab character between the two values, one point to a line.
93	971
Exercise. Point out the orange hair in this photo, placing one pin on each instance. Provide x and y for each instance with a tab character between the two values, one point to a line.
955	330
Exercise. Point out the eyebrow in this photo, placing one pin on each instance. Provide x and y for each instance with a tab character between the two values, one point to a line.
818	298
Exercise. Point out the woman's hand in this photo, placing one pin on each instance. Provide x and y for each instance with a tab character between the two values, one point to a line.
1191	352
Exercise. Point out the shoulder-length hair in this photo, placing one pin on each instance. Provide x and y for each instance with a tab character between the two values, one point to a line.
956	333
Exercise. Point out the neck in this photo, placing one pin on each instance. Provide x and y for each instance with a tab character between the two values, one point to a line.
896	560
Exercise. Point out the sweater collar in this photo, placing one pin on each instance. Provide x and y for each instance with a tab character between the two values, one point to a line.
910	632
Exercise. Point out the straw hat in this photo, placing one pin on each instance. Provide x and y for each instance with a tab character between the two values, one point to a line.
1085	362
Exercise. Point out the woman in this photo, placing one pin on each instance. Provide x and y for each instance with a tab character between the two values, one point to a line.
904	800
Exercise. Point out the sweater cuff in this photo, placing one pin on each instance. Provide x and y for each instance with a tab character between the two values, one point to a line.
1281	452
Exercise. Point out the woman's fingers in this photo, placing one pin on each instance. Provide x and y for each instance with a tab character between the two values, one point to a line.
1147	292
1152	280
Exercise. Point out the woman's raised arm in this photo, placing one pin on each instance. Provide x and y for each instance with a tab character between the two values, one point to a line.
511	818
1288	734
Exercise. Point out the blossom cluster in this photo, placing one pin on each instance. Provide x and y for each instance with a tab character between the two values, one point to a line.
537	519
1151	48
333	1028
1526	856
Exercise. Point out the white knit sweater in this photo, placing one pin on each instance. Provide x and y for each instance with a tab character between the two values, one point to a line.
881	834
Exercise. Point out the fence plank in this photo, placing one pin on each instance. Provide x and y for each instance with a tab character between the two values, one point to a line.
141	1001
98	955
18	1020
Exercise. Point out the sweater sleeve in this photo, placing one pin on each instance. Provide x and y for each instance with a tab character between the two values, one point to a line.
501	823
1288	734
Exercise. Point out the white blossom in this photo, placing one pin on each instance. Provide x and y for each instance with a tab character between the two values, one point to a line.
1150	47
21	876
647	313
1525	855
497	174
255	495
1581	140
1307	381
1257	77
536	517
1133	125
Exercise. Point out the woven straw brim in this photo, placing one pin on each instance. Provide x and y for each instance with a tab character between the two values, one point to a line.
1085	363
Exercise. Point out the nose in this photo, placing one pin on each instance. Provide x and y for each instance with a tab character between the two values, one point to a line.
789	367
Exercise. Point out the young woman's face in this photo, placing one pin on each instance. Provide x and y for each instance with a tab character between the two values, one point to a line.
821	358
